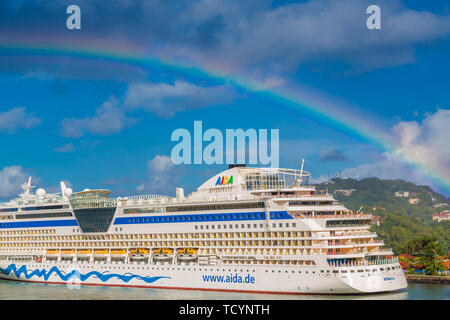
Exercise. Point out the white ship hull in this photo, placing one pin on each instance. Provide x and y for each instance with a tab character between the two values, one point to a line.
242	278
243	230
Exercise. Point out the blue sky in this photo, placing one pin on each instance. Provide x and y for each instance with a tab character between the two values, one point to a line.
100	123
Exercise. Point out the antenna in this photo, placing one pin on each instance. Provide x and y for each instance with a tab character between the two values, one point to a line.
26	187
299	181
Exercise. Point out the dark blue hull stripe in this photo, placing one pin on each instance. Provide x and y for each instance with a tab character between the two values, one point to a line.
214	217
39	224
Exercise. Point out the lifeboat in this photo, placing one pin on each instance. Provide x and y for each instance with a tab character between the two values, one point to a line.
52	252
162	253
67	252
139	253
191	251
181	251
118	252
84	252
167	251
187	253
156	251
101	252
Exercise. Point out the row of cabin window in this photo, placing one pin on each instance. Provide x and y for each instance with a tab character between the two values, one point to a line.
243	226
203	218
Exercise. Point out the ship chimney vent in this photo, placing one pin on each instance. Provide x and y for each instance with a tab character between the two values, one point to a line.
180	193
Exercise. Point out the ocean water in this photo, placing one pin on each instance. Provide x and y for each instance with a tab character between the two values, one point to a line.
35	291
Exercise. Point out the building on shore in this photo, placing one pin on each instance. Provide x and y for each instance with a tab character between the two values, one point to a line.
440	205
444	215
376	220
402	194
345	192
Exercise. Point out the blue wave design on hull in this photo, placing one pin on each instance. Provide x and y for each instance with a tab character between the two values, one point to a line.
104	277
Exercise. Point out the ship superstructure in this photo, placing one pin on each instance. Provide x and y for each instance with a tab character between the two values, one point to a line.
245	229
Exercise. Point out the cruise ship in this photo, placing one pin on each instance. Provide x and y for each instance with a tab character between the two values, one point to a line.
247	229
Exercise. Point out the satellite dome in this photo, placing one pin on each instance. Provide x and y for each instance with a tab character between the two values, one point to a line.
40	192
68	192
86	190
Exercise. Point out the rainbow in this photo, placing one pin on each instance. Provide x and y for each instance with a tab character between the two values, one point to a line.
332	114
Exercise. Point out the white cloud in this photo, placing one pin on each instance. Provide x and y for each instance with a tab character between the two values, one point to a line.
160	164
323	30
244	36
272	82
426	144
165	99
108	119
69	147
390	167
11	179
163	176
17	118
38	74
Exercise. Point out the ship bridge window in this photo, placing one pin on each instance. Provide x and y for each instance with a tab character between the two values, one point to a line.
95	219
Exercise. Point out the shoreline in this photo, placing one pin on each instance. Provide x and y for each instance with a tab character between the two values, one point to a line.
412	278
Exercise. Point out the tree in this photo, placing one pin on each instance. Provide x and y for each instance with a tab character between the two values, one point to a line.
430	260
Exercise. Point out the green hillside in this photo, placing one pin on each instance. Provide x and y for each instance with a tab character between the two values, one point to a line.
401	221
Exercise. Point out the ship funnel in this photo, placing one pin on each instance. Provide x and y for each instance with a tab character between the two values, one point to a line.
180	193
